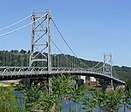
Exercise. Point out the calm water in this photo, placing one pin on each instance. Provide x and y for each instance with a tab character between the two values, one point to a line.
66	108
65	105
19	99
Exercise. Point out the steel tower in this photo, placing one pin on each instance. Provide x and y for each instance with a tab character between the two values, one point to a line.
107	65
40	39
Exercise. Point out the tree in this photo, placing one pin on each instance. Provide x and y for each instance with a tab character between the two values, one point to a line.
62	89
7	100
23	51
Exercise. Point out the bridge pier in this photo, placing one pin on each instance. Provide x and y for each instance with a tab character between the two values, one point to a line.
106	85
42	82
45	83
49	82
118	86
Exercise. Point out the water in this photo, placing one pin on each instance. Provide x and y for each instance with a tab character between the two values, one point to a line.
20	103
67	106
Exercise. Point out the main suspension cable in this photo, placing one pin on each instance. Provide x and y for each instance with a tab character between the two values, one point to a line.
7	33
95	66
67	43
64	55
15	23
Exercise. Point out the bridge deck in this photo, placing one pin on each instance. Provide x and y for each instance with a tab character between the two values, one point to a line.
9	73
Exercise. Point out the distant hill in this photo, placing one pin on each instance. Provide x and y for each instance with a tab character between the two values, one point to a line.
21	58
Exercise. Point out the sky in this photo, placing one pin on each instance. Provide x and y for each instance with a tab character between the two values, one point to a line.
91	27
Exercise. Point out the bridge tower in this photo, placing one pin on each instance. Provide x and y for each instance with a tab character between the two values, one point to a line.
107	66
40	40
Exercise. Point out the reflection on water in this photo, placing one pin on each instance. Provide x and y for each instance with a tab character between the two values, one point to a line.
67	106
19	100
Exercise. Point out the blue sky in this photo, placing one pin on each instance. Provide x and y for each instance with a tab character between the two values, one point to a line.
91	27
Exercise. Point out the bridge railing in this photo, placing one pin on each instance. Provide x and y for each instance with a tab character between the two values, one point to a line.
31	70
35	71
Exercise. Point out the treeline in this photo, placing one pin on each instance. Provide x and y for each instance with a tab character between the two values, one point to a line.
123	72
14	58
21	58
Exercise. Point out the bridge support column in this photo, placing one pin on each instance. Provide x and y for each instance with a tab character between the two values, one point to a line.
41	82
103	85
107	66
50	84
106	85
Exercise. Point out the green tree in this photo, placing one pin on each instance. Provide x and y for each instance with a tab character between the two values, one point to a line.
7	100
106	101
63	88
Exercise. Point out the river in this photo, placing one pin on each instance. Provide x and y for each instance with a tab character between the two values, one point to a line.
77	108
66	105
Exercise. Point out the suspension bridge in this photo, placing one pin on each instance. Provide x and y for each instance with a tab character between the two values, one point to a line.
44	63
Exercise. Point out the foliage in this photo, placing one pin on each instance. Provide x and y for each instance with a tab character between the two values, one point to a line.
63	88
31	94
109	101
128	84
21	58
7	100
126	99
79	81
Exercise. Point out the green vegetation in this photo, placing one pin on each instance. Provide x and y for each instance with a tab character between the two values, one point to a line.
64	89
7	100
21	58
109	101
128	84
